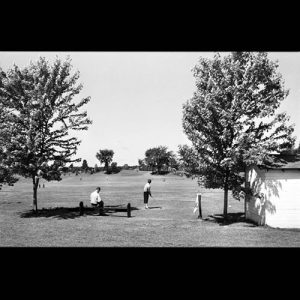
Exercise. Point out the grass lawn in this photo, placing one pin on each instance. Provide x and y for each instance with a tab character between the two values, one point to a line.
169	223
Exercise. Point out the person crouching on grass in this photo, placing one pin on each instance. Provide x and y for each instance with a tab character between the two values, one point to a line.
147	192
95	198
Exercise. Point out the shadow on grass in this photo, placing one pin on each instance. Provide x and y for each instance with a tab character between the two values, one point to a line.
10	202
74	212
160	173
231	219
153	207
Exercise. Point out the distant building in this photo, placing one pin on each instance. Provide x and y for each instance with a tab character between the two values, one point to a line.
275	199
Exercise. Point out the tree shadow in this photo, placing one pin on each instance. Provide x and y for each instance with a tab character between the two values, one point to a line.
160	172
259	204
153	207
232	218
113	208
74	212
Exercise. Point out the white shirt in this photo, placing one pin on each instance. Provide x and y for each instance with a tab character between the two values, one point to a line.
147	187
95	197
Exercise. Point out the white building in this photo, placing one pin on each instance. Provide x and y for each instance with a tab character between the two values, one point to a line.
276	195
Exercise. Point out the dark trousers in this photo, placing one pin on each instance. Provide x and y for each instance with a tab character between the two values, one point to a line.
99	204
101	207
146	197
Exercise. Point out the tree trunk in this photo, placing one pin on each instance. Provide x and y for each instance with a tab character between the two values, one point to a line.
158	169
35	187
225	203
225	196
247	186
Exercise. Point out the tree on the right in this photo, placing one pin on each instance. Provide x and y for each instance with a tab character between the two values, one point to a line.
233	121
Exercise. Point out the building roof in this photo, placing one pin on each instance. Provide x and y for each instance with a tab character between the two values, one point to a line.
288	162
290	165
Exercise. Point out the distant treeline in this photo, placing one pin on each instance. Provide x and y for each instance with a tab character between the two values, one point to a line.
112	169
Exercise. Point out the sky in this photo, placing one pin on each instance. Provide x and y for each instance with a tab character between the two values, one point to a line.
137	97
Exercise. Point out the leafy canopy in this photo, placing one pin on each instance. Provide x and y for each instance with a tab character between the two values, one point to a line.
105	156
158	156
232	119
41	111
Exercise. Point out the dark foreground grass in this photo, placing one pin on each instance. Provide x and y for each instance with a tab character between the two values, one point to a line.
169	222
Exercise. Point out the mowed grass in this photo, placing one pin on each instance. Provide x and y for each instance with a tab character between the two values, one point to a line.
169	223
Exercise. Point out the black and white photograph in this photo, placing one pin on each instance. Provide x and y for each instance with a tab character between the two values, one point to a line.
143	149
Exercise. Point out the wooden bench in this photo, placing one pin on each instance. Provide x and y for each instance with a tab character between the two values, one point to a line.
102	209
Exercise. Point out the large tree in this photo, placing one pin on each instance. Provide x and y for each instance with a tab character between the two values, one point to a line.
157	157
105	156
232	119
43	109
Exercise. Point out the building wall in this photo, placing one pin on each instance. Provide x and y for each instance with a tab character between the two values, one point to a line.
285	203
254	205
279	205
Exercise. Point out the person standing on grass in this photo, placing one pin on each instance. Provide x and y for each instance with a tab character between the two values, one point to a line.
147	192
95	197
